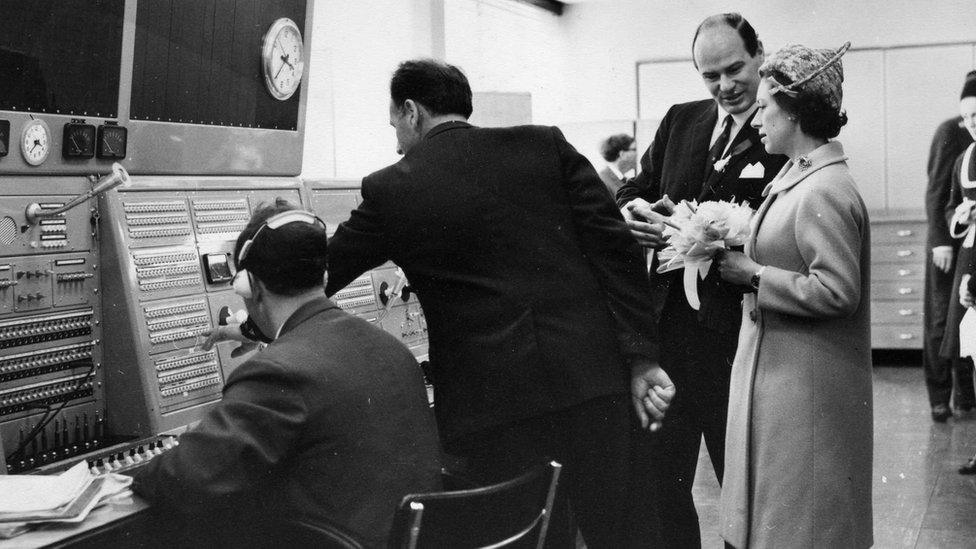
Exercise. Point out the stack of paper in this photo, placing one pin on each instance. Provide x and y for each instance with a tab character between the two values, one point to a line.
68	497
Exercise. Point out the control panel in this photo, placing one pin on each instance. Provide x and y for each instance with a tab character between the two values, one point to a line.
382	296
168	266
52	393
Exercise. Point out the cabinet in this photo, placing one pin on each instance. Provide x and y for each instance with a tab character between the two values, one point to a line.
898	257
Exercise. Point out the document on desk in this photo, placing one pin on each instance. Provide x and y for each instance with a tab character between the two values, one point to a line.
29	493
967	333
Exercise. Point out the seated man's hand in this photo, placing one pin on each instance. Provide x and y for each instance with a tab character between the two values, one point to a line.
942	258
651	392
230	332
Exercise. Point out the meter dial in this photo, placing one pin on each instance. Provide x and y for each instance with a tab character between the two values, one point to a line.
283	58
35	142
111	141
78	140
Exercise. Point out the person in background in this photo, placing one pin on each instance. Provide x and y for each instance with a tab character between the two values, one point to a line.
328	424
798	451
967	298
620	152
703	150
538	311
950	140
959	214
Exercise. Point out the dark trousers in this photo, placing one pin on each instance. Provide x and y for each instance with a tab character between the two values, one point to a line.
940	295
591	441
699	361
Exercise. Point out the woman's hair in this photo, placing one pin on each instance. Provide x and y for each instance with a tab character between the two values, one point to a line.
817	116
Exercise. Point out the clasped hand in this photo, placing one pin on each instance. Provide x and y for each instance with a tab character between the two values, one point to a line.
736	267
651	392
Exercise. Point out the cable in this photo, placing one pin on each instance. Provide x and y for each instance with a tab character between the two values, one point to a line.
45	420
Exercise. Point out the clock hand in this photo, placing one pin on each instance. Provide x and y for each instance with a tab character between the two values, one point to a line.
284	58
75	143
279	71
36	143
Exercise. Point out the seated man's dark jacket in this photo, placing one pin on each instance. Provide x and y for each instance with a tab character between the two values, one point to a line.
533	288
676	164
330	423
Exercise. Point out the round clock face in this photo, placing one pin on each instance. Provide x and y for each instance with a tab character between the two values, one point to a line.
283	58
35	142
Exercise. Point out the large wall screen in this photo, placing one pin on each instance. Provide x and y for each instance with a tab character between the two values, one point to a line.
190	70
63	61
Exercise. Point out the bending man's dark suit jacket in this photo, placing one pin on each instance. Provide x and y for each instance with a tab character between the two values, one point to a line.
329	423
533	289
676	164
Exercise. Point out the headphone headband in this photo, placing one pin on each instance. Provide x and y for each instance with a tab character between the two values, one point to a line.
275	222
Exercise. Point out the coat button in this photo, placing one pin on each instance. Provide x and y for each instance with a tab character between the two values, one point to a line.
752	315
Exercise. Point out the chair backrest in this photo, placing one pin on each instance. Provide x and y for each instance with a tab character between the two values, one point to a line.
514	513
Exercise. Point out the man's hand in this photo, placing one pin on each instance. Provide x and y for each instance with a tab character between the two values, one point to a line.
231	332
965	296
651	391
942	258
644	222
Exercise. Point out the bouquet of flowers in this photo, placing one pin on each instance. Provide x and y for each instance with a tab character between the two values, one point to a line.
696	232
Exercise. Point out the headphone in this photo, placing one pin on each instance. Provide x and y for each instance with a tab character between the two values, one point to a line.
242	279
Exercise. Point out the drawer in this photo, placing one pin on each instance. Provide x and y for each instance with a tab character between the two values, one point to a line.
891	233
897	271
900	290
896	312
898	253
888	336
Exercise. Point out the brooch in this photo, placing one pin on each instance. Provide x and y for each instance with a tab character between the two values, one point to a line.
804	162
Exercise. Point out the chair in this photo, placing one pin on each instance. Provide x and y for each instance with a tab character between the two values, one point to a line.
300	533
514	513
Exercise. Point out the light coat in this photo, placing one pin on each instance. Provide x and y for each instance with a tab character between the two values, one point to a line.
799	439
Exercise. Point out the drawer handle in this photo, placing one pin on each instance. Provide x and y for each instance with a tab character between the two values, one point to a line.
904	253
906	232
906	312
905	291
904	272
906	336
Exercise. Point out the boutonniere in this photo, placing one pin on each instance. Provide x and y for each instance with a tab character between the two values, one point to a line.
720	164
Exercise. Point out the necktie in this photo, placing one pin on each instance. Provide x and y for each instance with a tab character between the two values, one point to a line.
715	153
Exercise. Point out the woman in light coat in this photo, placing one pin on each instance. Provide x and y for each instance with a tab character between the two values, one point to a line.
799	439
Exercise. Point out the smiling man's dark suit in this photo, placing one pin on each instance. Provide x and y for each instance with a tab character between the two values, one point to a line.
697	347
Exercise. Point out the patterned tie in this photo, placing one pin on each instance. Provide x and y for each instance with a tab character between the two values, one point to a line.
715	153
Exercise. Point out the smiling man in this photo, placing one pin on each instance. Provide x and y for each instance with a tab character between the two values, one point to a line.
704	150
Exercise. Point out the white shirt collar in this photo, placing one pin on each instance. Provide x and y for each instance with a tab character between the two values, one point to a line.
615	170
738	121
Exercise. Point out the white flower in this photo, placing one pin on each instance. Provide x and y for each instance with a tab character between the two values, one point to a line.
720	164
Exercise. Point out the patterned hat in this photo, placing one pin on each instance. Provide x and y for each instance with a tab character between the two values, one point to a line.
818	72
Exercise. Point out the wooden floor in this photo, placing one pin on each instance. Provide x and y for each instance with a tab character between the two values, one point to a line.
920	500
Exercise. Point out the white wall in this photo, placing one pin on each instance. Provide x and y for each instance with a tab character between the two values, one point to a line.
609	38
354	49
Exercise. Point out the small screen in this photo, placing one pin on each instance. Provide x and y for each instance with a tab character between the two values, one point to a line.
217	268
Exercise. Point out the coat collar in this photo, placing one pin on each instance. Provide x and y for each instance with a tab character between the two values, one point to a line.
446	126
793	172
305	312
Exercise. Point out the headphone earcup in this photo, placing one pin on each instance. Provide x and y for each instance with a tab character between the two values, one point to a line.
242	284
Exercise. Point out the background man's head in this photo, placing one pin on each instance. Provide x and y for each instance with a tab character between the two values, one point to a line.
967	103
288	260
727	53
620	149
422	89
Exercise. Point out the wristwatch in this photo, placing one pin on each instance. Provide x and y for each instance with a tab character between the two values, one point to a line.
754	281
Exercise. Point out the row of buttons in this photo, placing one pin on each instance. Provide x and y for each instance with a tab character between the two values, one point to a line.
180	362
220	205
133	221
159	233
166	284
157	272
216	218
172	310
146	207
176	323
172	391
189	374
42	359
143	260
176	336
16	398
121	461
71	277
37	328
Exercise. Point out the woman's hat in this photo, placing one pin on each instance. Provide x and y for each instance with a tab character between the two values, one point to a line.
814	71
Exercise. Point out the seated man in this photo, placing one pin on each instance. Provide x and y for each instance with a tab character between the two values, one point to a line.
328	424
620	152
